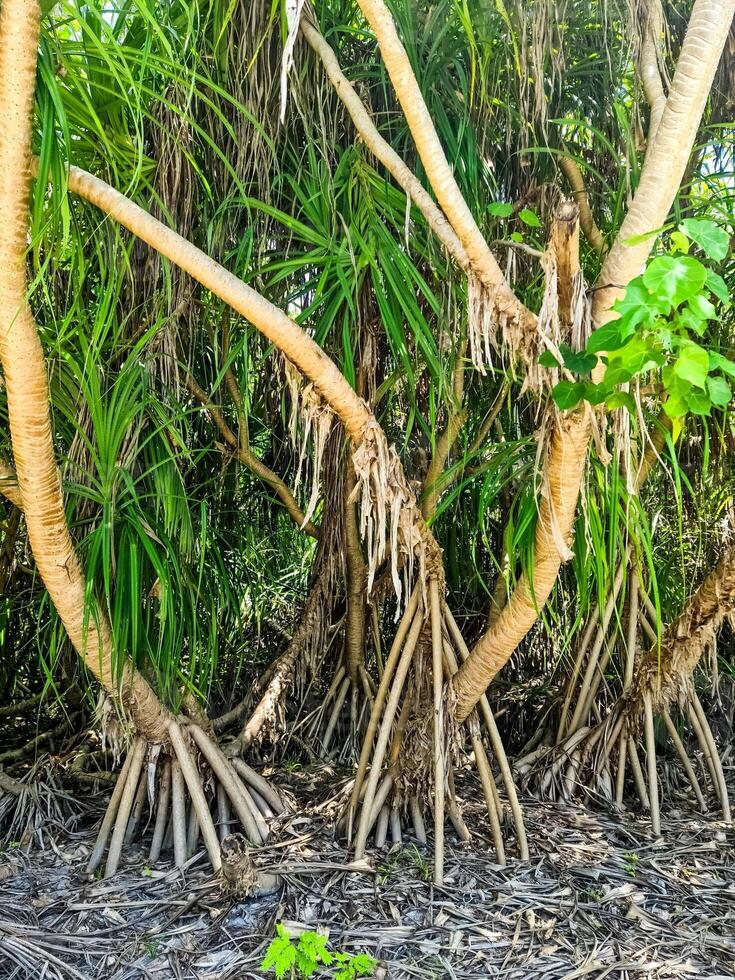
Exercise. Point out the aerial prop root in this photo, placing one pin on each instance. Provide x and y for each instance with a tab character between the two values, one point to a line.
596	760
358	692
412	743
192	790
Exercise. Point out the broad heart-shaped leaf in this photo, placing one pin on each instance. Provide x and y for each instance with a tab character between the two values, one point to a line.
606	338
529	217
713	240
621	399
676	404
701	307
692	364
675	277
500	209
640	305
718	287
595	394
699	402
696	313
578	362
719	391
721	363
548	360
568	394
637	355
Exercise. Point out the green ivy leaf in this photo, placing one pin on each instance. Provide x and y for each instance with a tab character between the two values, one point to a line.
718	287
692	364
500	209
621	399
578	362
701	307
719	390
675	277
568	394
529	217
640	307
676	404
516	236
724	364
606	338
548	360
595	394
679	242
711	238
699	402
637	355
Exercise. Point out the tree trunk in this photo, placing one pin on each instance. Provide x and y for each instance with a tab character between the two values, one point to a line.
9	484
380	148
24	368
662	174
437	167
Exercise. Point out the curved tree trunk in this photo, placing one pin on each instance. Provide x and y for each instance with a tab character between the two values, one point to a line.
437	167
570	169
24	368
379	147
662	174
273	323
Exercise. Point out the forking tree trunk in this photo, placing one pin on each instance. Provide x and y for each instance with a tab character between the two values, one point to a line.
660	180
24	367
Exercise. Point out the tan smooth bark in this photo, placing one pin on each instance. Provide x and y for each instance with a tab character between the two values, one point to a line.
570	169
649	70
24	367
436	165
379	147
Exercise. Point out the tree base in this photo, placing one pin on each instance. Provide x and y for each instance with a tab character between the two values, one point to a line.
595	761
186	801
419	742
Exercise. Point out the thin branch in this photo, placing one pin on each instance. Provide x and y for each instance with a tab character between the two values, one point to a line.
379	147
649	59
249	459
571	170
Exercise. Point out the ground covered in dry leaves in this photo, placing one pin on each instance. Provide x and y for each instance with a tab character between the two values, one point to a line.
600	898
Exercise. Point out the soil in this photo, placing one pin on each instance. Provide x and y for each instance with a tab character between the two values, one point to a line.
600	898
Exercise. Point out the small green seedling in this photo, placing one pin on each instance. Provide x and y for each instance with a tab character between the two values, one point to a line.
310	954
631	862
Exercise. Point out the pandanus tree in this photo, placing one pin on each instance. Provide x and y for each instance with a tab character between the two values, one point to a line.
377	547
